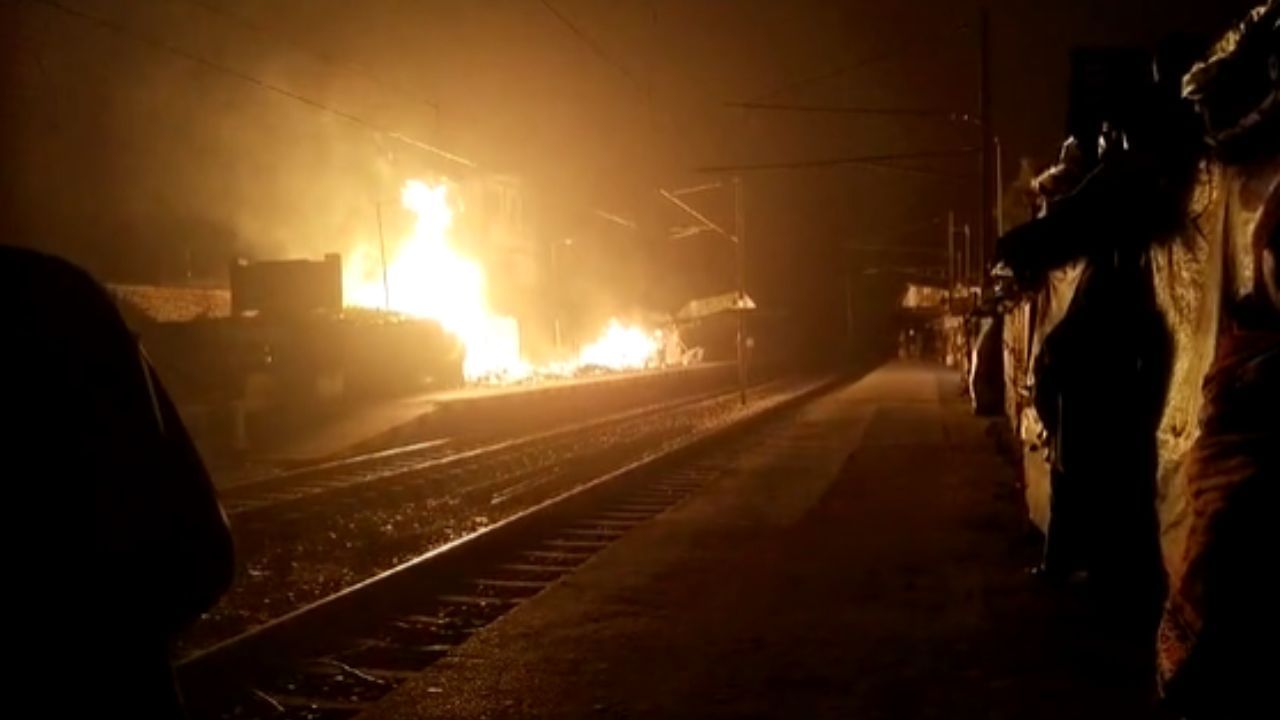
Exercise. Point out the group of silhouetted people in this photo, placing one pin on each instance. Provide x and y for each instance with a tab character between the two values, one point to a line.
1157	378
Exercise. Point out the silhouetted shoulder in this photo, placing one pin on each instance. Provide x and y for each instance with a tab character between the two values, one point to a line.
57	317
44	281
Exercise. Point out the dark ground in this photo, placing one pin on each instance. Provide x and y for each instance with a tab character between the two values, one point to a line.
864	558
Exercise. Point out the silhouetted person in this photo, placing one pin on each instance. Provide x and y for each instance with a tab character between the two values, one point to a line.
115	541
1064	551
1102	372
1216	658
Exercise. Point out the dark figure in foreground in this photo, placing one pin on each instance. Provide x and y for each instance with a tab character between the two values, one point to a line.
1101	372
1214	658
115	540
1103	367
1064	547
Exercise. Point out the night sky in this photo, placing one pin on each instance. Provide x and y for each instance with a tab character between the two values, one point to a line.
125	149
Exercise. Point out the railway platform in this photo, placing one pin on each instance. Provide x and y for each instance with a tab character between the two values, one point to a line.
861	557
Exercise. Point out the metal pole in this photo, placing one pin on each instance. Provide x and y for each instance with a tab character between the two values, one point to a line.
848	312
967	276
999	189
739	240
986	220
951	252
382	246
555	281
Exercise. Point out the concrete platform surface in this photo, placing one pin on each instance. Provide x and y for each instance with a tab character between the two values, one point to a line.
863	558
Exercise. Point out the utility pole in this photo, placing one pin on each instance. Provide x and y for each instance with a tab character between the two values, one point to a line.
986	221
999	187
739	240
951	252
555	281
382	246
848	311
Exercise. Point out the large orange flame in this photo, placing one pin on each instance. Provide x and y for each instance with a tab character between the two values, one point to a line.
429	278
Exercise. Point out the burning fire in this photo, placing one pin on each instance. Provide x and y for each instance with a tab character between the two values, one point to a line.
430	278
620	347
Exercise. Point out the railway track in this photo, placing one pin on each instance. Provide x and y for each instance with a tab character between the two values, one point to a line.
334	657
317	534
439	454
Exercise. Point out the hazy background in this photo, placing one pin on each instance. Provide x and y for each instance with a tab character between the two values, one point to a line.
126	149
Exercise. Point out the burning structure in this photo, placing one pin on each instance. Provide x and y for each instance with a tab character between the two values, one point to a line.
430	273
416	310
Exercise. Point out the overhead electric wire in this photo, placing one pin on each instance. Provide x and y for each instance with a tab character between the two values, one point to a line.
344	66
833	73
925	172
217	67
830	74
895	249
594	46
948	115
882	242
866	160
707	223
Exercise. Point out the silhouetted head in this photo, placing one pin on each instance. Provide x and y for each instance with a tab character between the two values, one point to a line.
1173	58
